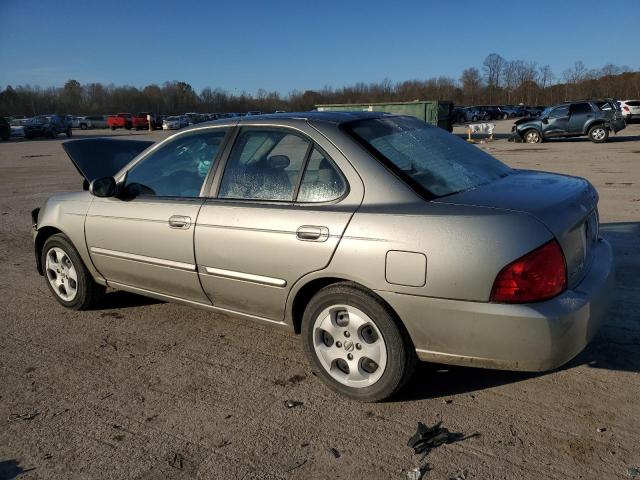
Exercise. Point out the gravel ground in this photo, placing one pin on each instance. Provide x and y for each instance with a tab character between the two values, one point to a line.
145	389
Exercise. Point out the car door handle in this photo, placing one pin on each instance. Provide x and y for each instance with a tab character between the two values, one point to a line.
312	233
179	221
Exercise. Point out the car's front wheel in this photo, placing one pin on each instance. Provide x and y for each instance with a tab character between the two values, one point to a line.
355	344
598	134
67	277
532	136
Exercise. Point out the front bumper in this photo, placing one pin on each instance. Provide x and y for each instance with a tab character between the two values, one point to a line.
529	337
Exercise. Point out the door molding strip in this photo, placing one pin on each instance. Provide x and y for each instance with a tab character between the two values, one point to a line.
246	277
143	259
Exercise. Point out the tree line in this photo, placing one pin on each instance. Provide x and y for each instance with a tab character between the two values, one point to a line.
498	81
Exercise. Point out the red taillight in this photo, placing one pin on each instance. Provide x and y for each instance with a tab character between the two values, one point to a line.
626	109
539	275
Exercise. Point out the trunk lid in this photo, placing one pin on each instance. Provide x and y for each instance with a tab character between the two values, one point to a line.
566	205
103	157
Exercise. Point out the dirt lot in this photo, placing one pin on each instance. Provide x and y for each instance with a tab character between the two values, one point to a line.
144	389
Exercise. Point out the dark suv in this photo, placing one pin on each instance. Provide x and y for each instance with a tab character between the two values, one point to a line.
47	126
594	118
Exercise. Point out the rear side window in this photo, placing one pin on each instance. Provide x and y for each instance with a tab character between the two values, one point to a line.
322	182
578	108
429	159
634	103
264	164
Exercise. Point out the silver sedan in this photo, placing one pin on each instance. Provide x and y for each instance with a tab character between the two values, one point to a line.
380	239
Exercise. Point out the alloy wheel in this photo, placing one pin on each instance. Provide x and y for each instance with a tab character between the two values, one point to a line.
61	274
349	346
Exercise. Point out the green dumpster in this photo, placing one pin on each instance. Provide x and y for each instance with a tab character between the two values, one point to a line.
435	112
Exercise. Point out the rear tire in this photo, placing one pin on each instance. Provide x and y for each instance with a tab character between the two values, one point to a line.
68	132
83	126
371	329
598	134
61	263
113	128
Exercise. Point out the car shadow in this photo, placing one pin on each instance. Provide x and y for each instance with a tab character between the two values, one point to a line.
120	299
10	469
615	347
612	139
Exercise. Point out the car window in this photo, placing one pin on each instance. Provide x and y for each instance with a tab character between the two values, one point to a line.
634	103
578	108
558	112
264	164
426	157
321	182
178	168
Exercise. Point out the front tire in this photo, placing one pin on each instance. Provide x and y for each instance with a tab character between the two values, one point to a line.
67	277
598	134
355	344
532	136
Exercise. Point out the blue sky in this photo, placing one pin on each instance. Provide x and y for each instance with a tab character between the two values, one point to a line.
283	45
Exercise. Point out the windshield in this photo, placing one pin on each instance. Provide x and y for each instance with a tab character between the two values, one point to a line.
428	158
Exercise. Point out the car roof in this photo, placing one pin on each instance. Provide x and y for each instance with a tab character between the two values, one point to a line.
335	117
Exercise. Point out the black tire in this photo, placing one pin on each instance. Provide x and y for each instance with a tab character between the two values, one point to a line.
127	126
89	293
68	132
474	118
29	137
401	355
505	116
598	134
53	133
532	136
113	128
83	126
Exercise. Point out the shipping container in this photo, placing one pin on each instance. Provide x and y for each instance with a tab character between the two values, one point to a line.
435	112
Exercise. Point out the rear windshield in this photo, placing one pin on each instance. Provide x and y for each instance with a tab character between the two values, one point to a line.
434	162
634	103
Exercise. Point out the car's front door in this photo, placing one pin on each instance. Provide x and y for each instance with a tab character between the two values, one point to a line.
579	115
144	237
557	122
282	206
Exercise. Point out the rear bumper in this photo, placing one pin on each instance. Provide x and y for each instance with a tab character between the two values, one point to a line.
530	337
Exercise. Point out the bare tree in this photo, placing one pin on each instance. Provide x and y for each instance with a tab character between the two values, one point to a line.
493	66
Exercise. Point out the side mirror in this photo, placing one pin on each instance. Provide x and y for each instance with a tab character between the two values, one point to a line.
545	120
103	187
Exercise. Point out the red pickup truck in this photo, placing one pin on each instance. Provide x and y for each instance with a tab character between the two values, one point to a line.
121	120
140	122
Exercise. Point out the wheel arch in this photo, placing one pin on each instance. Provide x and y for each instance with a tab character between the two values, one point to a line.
589	125
41	237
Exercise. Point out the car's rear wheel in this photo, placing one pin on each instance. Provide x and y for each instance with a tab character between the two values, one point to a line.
68	132
598	134
532	136
67	277
355	344
505	116
83	126
53	133
113	128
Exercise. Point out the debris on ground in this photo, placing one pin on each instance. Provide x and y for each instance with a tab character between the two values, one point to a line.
177	461
293	403
634	472
334	452
462	475
601	429
23	416
447	401
427	438
418	472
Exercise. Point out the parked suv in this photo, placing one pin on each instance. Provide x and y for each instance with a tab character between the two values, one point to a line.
594	118
47	126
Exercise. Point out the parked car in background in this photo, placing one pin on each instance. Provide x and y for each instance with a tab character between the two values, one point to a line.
630	109
139	120
173	123
80	122
594	118
121	120
17	127
47	126
5	129
97	121
470	114
513	111
253	112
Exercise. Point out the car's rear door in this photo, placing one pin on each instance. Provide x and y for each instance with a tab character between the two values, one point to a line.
580	115
143	239
268	223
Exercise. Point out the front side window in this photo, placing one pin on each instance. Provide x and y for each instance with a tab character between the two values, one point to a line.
429	159
264	164
559	112
178	168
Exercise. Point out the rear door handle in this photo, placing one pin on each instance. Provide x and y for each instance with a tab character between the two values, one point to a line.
312	233
179	221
